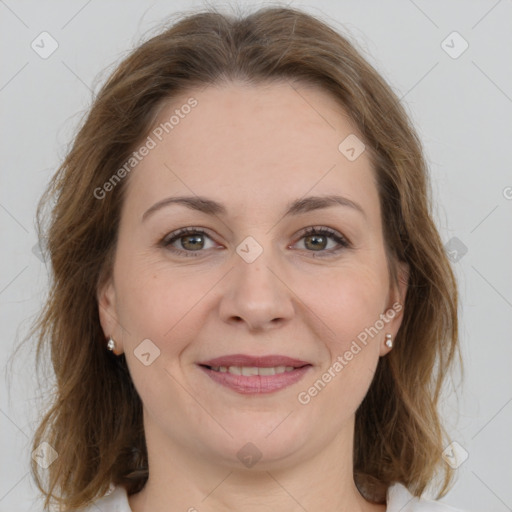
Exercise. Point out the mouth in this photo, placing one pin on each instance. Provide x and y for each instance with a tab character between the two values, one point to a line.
255	374
248	371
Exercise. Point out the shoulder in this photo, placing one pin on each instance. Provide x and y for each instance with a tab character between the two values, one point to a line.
399	499
116	500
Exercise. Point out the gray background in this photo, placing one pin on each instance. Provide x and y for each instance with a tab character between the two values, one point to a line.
462	108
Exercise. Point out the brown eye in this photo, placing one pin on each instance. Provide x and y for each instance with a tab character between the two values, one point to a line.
192	242
186	241
317	240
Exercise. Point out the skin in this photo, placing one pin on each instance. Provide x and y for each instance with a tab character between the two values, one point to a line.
253	148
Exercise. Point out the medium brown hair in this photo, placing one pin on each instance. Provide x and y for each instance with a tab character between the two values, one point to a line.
94	420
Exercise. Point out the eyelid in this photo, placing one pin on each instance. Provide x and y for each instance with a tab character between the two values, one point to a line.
325	230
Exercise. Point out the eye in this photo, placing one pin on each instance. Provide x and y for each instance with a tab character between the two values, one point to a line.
317	238
189	240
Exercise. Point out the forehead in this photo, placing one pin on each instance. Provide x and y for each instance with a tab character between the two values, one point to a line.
242	142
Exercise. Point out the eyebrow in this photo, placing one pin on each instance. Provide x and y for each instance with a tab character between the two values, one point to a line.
211	207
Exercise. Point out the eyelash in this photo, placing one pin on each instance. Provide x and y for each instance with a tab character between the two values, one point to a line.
337	237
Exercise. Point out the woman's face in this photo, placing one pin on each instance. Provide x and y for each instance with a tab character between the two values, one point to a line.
249	278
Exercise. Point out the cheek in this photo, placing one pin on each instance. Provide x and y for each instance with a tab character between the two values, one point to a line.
151	306
351	332
347	300
159	301
361	298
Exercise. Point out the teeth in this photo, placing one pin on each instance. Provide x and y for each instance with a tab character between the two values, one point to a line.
252	370
267	371
248	370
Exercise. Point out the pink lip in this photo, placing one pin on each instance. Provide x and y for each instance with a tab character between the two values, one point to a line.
255	384
259	361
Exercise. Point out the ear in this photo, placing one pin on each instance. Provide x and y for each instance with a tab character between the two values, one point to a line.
403	283
107	310
396	304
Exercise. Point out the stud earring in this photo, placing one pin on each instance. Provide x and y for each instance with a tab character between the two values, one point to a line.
389	341
111	345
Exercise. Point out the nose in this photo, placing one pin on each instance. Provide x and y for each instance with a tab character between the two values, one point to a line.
257	295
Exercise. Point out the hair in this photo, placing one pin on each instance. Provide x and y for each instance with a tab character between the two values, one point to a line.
94	418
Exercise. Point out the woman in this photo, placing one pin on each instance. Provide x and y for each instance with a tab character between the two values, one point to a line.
251	306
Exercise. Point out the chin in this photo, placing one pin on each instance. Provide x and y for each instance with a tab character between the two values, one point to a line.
259	443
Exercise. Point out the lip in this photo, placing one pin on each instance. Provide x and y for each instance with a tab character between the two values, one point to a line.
256	384
260	361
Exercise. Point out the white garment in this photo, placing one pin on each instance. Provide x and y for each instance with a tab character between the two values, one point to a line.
399	499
